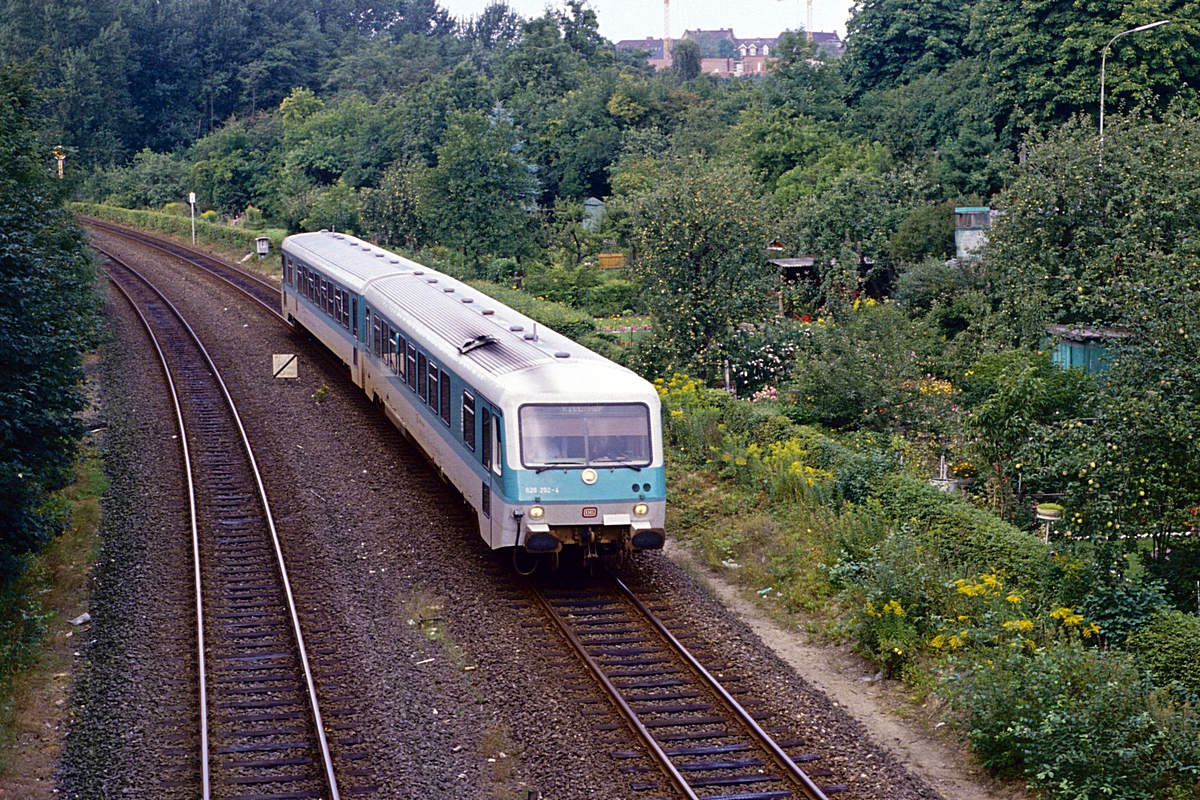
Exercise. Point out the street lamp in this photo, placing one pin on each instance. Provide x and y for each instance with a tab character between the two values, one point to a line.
1104	61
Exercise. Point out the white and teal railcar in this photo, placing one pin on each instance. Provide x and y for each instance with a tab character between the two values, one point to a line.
551	444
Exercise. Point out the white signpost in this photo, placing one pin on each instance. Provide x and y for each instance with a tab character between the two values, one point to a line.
192	203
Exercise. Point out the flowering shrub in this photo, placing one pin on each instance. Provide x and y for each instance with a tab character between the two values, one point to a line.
1077	722
767	394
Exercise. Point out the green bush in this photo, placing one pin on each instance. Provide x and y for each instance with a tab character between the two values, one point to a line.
1077	723
180	225
863	370
1169	647
968	538
899	592
612	298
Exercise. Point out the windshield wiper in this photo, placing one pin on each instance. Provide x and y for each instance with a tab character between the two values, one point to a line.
555	464
625	464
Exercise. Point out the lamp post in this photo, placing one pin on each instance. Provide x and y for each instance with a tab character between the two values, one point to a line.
1104	62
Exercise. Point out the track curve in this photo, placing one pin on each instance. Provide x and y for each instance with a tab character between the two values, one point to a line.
253	286
259	708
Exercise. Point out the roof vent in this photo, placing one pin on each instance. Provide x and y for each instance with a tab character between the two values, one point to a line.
379	255
562	354
482	340
515	328
448	289
393	261
531	336
418	272
467	300
487	312
431	280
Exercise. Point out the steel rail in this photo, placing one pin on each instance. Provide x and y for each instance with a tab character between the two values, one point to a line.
631	717
194	257
781	758
205	776
262	492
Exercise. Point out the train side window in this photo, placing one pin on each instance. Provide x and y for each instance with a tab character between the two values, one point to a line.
497	452
337	304
468	420
486	455
445	398
354	317
394	351
376	335
412	367
434	394
401	349
421	375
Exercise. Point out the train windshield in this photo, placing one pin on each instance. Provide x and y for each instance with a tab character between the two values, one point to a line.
608	435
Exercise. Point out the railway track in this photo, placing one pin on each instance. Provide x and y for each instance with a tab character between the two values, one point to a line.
253	286
695	739
261	731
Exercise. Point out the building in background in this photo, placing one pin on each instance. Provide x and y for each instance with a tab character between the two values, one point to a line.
725	54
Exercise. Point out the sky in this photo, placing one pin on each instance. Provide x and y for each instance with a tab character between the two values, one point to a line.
637	19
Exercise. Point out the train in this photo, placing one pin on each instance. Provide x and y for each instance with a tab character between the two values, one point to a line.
556	448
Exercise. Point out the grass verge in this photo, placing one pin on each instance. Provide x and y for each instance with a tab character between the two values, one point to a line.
36	672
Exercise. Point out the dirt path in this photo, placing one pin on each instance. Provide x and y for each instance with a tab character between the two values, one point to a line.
847	680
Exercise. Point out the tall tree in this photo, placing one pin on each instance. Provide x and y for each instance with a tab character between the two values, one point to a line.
47	318
1042	57
889	42
477	198
701	235
1076	230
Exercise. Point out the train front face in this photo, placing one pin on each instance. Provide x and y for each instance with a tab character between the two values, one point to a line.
591	476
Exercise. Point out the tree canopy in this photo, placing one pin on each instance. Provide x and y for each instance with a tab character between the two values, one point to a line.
47	321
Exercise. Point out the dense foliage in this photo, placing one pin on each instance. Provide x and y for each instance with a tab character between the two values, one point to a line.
47	319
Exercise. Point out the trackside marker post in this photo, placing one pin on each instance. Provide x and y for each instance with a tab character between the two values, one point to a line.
192	203
283	365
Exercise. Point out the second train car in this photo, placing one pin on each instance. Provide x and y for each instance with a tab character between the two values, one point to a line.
551	444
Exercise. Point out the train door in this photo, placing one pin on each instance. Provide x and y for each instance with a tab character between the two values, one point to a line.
354	368
492	456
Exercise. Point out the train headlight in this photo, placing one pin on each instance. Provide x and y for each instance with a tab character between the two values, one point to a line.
589	476
537	512
641	510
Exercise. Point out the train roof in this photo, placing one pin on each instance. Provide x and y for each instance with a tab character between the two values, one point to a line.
475	333
348	260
